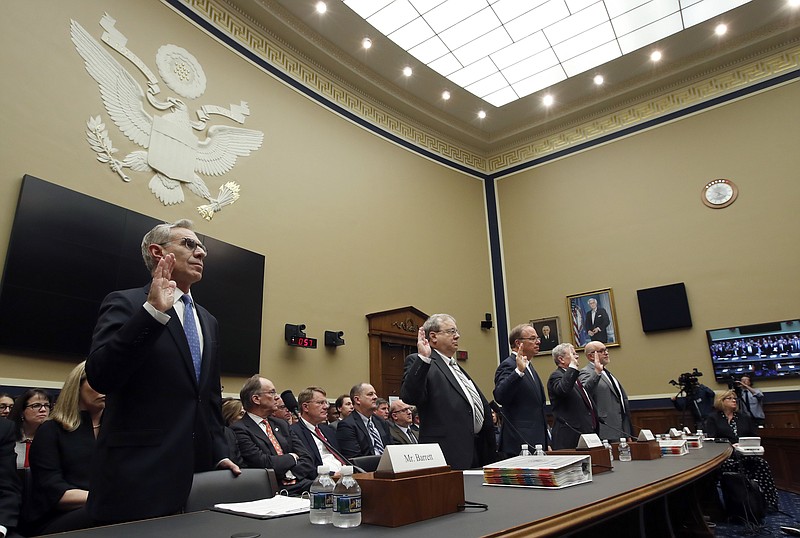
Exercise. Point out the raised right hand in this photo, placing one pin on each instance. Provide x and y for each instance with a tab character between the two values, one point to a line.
162	289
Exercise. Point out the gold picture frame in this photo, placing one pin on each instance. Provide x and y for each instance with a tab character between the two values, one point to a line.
553	325
603	327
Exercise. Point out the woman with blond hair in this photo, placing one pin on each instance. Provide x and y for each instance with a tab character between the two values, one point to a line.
61	458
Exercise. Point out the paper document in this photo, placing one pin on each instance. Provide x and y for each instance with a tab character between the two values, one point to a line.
277	506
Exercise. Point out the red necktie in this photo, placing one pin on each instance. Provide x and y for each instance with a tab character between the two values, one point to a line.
588	403
27	452
327	444
278	449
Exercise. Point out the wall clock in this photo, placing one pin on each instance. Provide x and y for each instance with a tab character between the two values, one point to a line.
719	193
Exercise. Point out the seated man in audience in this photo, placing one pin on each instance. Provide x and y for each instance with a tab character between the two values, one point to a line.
363	433
10	487
312	428
266	441
400	426
343	407
283	412
382	408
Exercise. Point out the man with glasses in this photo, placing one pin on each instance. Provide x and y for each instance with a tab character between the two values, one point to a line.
613	411
266	442
573	408
453	412
318	437
518	388
400	426
154	354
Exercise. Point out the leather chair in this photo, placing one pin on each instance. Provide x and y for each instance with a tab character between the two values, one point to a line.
215	487
368	463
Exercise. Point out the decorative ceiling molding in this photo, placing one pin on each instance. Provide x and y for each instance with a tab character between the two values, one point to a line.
603	120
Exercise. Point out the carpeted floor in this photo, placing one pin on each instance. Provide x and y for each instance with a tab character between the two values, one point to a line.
789	504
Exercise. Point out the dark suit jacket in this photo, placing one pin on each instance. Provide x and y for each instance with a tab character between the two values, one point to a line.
258	452
523	403
568	405
354	438
608	404
398	436
601	321
10	485
716	425
160	425
548	343
446	413
311	445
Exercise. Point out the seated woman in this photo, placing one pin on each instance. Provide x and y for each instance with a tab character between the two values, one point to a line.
61	458
727	423
232	411
31	409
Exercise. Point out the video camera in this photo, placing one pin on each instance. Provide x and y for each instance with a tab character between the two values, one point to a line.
687	381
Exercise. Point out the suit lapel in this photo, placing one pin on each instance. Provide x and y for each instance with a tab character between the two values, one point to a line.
259	434
439	362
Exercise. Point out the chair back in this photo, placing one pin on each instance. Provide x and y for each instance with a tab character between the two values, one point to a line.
368	463
221	486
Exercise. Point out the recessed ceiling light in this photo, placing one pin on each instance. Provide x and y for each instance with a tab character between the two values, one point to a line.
322	7
445	95
481	114
655	55
720	29
598	79
547	100
366	43
407	71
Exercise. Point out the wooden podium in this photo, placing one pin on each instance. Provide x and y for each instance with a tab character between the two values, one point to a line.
393	499
601	459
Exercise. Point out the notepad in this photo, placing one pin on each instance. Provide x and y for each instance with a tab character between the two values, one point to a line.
277	506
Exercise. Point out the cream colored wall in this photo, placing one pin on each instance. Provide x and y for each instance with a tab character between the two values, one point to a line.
628	215
345	219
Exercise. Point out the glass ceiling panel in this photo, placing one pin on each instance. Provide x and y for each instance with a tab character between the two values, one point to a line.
483	45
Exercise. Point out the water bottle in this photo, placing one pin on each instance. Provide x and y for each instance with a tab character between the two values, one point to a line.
538	451
347	500
525	451
321	497
701	436
607	445
624	450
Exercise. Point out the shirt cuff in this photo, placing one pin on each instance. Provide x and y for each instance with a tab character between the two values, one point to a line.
519	373
426	360
3	531
160	317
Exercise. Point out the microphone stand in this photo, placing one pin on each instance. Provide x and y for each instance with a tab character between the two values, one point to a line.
496	408
623	432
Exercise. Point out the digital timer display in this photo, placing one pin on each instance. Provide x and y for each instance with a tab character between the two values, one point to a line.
301	341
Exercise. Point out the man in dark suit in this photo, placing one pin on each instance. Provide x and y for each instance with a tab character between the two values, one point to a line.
613	410
519	390
573	409
549	339
597	322
453	412
363	433
154	354
312	428
10	487
266	442
400	426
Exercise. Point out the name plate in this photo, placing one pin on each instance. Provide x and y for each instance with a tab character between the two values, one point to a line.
589	440
646	435
402	458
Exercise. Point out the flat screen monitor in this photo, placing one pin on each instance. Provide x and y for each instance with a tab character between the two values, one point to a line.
763	350
67	251
664	307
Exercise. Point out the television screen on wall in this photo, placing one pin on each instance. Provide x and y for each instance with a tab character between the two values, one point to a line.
763	350
67	251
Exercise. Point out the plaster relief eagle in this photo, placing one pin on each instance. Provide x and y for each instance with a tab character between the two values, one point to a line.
172	152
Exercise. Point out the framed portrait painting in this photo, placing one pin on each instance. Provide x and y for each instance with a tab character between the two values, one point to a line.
549	330
592	317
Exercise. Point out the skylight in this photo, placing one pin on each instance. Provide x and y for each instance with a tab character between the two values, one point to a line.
503	50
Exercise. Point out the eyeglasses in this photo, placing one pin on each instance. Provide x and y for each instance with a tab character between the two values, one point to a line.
3	407
531	338
272	392
38	405
452	331
604	351
319	402
189	243
281	407
404	410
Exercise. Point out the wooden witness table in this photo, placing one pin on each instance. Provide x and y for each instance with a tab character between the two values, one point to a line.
642	498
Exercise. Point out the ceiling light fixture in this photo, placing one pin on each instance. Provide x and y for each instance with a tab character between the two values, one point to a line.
655	56
407	71
481	114
548	100
598	80
366	43
321	7
720	29
446	95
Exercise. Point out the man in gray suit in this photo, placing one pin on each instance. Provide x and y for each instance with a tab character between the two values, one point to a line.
400	425
610	398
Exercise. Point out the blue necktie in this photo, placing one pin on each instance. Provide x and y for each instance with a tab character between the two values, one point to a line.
190	328
377	442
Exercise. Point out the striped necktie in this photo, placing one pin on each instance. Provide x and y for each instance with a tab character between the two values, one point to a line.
472	393
377	442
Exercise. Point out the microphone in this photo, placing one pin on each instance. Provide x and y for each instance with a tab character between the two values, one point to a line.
570	426
623	432
291	402
336	452
496	408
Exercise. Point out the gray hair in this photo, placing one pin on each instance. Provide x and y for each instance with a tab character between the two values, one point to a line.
250	388
516	333
560	350
159	235
434	323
